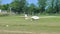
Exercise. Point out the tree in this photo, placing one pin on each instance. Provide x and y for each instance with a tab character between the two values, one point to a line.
54	6
5	7
18	5
31	9
42	5
0	4
51	6
57	4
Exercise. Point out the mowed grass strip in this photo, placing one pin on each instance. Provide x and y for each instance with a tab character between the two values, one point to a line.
19	23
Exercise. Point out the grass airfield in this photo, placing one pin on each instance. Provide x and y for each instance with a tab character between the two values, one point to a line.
18	25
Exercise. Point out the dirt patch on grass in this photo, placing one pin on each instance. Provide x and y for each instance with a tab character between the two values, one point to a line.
47	32
11	31
30	32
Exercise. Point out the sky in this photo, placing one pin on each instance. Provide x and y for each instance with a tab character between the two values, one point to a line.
29	1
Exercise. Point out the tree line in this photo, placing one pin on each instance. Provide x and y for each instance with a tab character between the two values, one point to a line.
42	7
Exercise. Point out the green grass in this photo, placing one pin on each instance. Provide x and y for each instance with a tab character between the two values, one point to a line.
17	23
12	33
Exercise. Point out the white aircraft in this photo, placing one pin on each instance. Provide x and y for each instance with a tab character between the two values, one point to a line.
35	17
